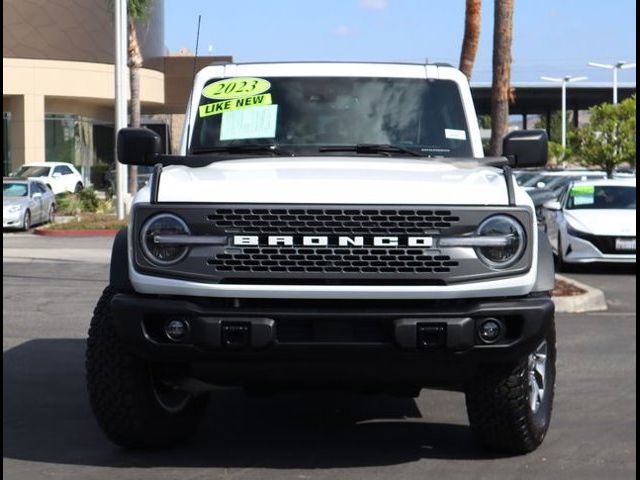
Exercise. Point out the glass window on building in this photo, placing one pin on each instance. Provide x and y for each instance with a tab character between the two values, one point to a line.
69	138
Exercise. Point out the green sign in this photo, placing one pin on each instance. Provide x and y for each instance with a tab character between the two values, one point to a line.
234	104
235	88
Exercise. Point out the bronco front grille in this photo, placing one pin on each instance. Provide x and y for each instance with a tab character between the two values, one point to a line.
330	220
333	260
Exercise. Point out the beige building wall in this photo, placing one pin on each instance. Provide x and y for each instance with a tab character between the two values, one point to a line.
32	87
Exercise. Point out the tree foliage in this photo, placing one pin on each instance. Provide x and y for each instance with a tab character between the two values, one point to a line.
555	129
609	139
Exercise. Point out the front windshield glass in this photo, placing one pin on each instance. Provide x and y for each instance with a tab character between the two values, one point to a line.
522	178
305	114
33	172
589	197
15	189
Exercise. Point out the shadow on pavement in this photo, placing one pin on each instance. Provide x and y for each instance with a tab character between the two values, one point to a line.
47	419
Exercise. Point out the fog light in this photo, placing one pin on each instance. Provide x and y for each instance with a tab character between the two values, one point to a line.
176	330
489	331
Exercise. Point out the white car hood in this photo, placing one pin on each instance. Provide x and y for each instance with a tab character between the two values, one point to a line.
339	180
603	222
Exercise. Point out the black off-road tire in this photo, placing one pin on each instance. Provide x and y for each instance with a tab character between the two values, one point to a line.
122	395
78	188
498	405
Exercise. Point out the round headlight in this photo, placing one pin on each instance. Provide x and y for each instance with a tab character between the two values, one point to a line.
505	255
162	253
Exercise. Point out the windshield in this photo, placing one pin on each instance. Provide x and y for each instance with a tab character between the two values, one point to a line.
553	181
304	114
589	197
15	189
33	171
522	178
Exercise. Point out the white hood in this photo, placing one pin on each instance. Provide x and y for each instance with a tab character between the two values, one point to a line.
603	222
339	180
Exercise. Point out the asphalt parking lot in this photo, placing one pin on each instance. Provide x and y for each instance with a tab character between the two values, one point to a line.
50	286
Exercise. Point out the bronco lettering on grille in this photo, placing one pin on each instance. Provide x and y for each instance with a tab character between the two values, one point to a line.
327	240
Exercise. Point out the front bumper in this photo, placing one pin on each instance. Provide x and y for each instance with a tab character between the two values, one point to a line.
578	250
12	220
352	344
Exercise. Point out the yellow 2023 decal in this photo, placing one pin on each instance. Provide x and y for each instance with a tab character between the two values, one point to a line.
235	88
234	104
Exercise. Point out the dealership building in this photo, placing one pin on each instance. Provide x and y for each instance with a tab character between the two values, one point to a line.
58	83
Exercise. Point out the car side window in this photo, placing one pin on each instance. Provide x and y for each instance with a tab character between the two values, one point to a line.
57	170
64	170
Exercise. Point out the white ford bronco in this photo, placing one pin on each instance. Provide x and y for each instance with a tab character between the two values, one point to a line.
327	225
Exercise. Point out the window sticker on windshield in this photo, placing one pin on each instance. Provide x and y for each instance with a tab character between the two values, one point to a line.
453	134
234	104
258	122
583	194
236	88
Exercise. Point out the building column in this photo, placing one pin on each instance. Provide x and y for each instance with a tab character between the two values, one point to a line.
524	121
26	139
548	119
576	120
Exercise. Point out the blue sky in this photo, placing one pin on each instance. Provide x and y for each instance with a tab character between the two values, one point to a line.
551	37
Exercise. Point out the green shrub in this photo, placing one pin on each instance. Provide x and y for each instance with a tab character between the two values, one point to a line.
68	204
89	200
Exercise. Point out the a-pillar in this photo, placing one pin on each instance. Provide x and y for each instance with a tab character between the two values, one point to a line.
26	129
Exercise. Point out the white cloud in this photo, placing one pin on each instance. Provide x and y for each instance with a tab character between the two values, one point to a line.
374	4
342	31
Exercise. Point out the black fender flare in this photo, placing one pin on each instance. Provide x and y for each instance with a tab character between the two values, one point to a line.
545	279
119	271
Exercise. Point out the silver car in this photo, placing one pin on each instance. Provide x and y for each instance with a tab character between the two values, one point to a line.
26	202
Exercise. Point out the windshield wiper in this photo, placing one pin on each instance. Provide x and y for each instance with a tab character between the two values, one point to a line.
371	148
232	149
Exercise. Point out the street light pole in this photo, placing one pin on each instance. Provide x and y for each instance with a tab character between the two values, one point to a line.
563	81
621	65
120	74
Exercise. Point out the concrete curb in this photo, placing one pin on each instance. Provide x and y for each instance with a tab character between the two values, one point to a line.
592	300
46	232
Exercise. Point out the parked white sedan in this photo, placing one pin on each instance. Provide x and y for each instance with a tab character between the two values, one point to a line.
594	221
59	177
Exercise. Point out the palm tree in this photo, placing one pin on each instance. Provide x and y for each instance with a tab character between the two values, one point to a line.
137	10
471	36
500	87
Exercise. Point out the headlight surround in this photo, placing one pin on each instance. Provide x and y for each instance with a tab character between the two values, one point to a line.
163	224
575	232
503	256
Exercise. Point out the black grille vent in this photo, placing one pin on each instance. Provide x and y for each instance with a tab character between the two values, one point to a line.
605	244
330	220
392	261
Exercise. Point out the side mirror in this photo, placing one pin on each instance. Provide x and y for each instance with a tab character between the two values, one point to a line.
56	175
540	185
36	195
528	148
552	205
138	146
